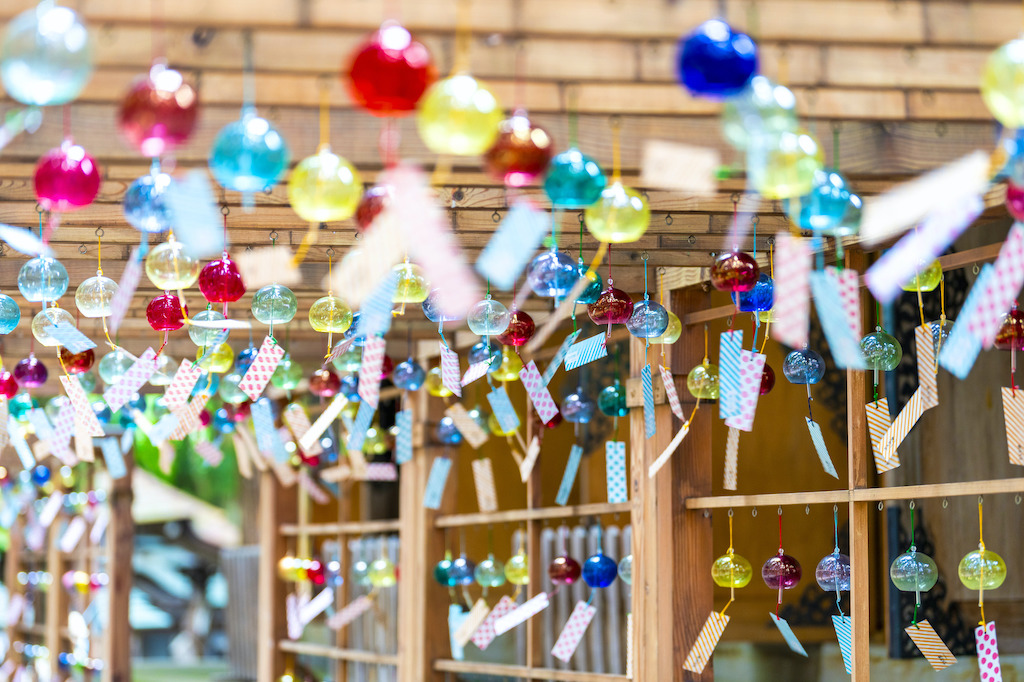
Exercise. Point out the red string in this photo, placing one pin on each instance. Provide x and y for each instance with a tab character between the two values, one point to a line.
780	532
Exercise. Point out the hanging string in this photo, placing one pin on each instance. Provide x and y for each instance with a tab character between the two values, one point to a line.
835	530
616	125
913	549
705	361
981	563
573	96
462	37
771	273
778	602
732	570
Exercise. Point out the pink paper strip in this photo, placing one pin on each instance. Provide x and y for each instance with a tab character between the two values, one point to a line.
181	386
136	376
848	282
79	401
369	371
450	370
262	368
485	634
671	392
751	367
126	289
529	609
475	371
792	290
298	421
573	631
1004	285
989	666
538	392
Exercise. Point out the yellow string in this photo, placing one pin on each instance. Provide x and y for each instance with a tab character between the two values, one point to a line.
661	292
705	345
325	118
106	333
462	35
981	546
732	581
308	240
942	316
616	125
767	329
99	254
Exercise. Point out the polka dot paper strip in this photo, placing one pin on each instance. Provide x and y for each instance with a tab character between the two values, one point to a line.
573	631
262	368
989	666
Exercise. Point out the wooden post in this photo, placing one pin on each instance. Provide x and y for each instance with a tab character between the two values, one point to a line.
56	599
117	655
271	626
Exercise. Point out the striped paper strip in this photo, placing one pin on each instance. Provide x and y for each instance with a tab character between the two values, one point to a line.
729	348
706	642
657	464
650	421
615	468
629	645
188	417
1013	417
792	282
559	356
787	634
210	453
671	393
349	612
262	368
436	481
539	395
69	337
370	371
466	425
529	608
364	417
474	618
63	429
842	341
265	265
528	462
83	410
848	282
483	480
450	370
569	477
512	244
321	423
844	633
586	351
572	633
751	367
927	370
927	640
819	447
1002	289
485	634
905	421
403	441
295	417
84	446
732	459
367	264
339	349
961	349
878	423
475	371
989	666
381	471
375	312
501	407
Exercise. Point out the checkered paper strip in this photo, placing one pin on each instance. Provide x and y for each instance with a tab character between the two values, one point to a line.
673	445
466	425
572	633
502	408
848	282
321	423
72	339
989	666
262	368
792	289
1002	290
819	447
530	460
569	476
730	345
63	429
706	642
370	371
126	290
188	417
512	244
787	634
136	376
349	612
210	453
483	480
650	420
83	410
485	634
559	356
450	370
298	421
730	476
751	367
375	312
842	340
364	417
436	481
586	351
475	371
539	395
928	642
403	441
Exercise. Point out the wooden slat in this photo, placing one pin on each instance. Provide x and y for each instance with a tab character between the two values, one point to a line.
521	671
341	528
536	514
117	654
336	653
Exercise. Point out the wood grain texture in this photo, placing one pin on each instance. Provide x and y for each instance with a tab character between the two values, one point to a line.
117	653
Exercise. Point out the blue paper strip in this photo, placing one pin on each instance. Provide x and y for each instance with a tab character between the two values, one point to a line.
436	482
263	424
113	457
569	477
28	460
359	426
208	349
512	245
586	351
403	441
846	351
819	447
650	424
502	408
961	349
375	312
729	388
69	337
556	361
787	634
163	429
615	467
41	423
198	224
845	636
127	439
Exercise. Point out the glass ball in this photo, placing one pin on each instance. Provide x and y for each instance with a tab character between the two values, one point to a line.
23	402
577	408
458	115
881	351
381	573
10	314
375	442
30	373
982	569
913	572
372	202
760	297
447	433
223	422
1001	84
159	112
324	188
824	207
412	286
626	569
390	71
164	313
521	152
477	415
169	267
145	207
208	384
94	295
593	290
488	318
517	569
731	570
1015	200
45	320
1011	333
54	405
702	381
781	571
613	306
66	178
508	370
716	61
42	279
767	379
600	570
612	401
275	304
648	321
574	180
735	272
220	281
248	155
619	216
330	314
220	360
287	374
245	358
88	381
46	56
926	279
360	573
672	332
441	569
519	330
803	367
833	572
785	167
849	225
493	425
490	572
564	570
203	336
552	274
324	383
408	375
763	110
349	361
486	350
435	385
8	384
432	309
229	390
350	387
77	363
461	572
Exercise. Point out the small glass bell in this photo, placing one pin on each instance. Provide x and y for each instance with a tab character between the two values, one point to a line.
408	375
144	205
620	216
833	572
170	268
220	281
509	368
94	295
716	61
612	400
564	570
458	115
45	320
329	314
982	569
520	329
760	297
803	367
159	111
248	155
574	180
521	153
577	408
66	178
648	320
412	286
388	74
324	187
490	572
824	207
552	274
781	572
672	332
735	272
488	318
702	381
10	314
731	570
165	312
517	569
613	306
600	571
287	374
46	56
274	304
435	384
927	278
447	433
881	351
42	279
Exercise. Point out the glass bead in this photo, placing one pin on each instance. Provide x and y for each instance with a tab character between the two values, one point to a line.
165	312
324	383
612	401
435	386
519	330
145	207
381	573
649	320
324	187
287	374
458	115
349	361
767	379
229	390
88	381
373	201
66	178
672	332
388	74
981	569
248	155
781	571
203	336
785	167
517	569
593	290
1011	333
77	363
762	111
731	570
170	268
803	367
42	279
23	402
8	384
521	152
833	572
220	360
1015	200
483	350
490	572
508	370
926	279
619	216
552	274
441	569
220	281
735	272
159	112
330	314
432	309
488	318
30	373
412	286
223	422
45	320
600	571
408	375
716	61
849	225
574	180
10	314
166	367
447	433
702	381
46	56
375	442
626	569
564	570
360	573
823	208
245	357
913	572
760	297
881	351
613	306
94	295
461	572
577	408
1002	83
275	304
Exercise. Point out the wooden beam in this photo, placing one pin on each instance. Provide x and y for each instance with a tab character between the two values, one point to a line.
117	640
276	505
341	528
522	671
530	514
336	653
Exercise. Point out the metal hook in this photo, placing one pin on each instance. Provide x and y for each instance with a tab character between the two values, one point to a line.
82	249
807	509
225	210
730	510
99	232
707	513
753	512
691	240
496	217
669	219
330	252
880	506
780	510
273	235
644	255
945	503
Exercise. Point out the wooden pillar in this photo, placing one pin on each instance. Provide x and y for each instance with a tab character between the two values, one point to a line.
117	655
271	626
57	602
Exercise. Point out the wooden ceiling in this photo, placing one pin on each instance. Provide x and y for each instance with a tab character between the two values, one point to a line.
893	81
